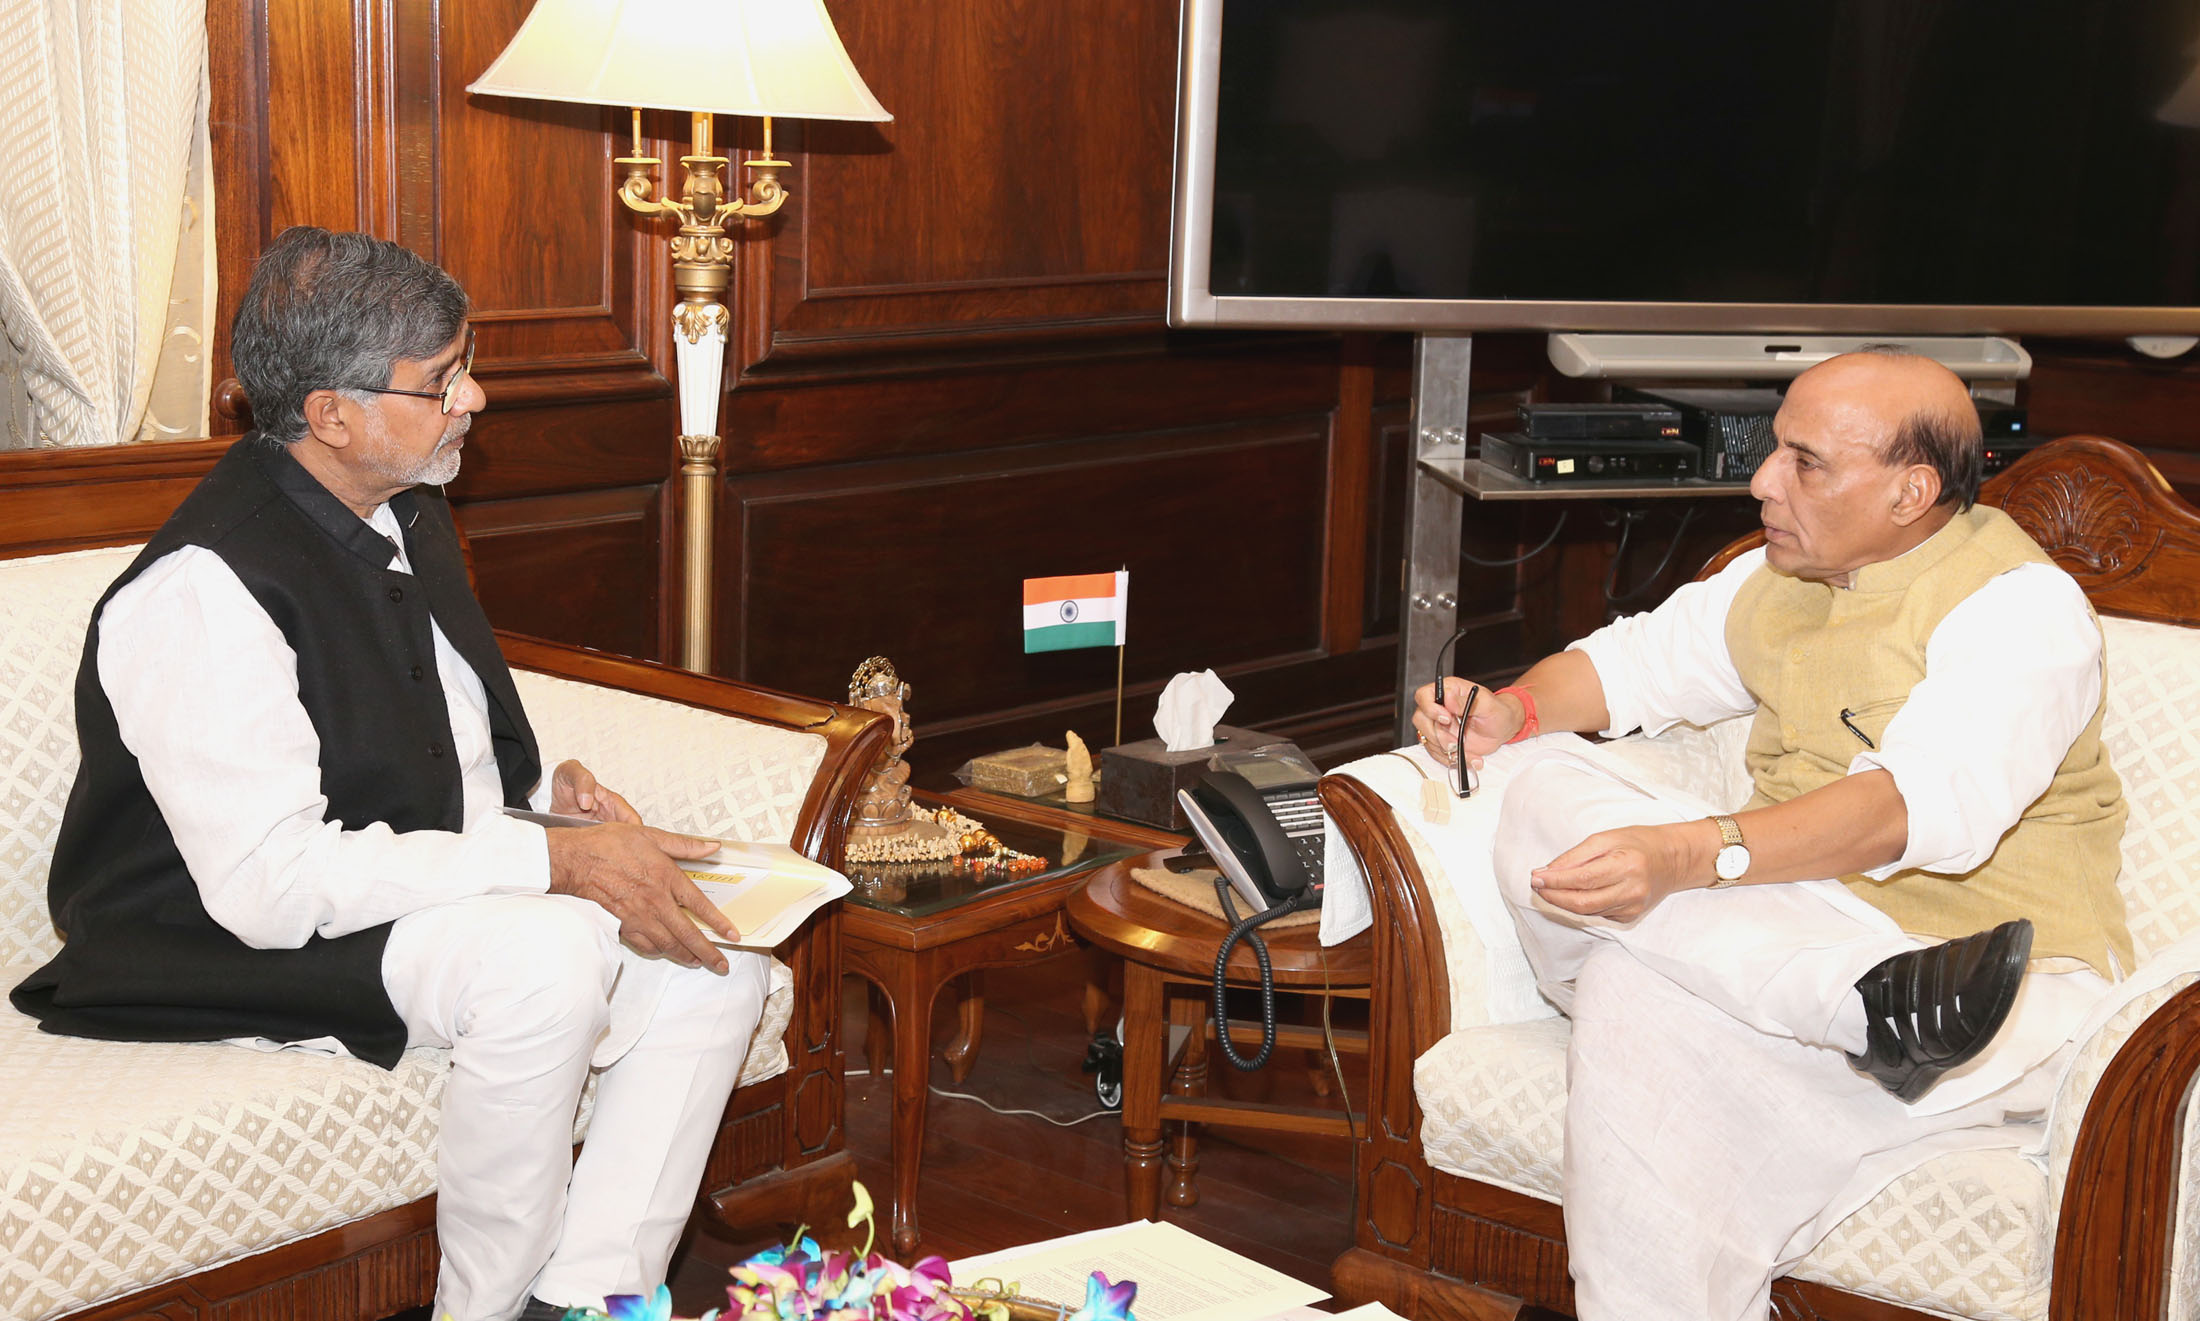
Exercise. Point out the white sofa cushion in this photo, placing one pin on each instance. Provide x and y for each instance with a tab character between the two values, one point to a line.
45	605
1968	1234
1965	1233
2152	731
123	1164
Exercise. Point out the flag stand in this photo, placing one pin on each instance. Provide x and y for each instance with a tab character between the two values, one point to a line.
1118	695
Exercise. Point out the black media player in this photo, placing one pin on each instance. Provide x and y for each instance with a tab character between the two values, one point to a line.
1641	420
1590	460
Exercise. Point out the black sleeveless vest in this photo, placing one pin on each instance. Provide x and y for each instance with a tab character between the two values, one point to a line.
142	960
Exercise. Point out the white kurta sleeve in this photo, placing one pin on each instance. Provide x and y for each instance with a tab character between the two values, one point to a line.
205	694
1671	664
2012	675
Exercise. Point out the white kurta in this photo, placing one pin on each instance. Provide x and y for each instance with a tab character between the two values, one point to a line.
1714	1130
527	989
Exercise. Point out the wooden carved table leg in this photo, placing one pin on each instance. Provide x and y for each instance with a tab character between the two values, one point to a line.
962	1052
914	989
1187	1009
1144	1036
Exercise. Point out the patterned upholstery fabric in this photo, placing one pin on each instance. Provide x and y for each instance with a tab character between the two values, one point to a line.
1968	1234
125	1164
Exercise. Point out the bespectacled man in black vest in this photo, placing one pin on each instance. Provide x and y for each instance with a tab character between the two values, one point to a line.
297	734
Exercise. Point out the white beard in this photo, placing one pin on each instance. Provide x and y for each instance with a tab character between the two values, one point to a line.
440	465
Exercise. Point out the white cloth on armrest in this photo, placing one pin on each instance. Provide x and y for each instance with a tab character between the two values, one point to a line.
1707	760
1462	847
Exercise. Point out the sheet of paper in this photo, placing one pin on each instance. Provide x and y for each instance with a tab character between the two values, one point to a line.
765	890
1180	1276
764	906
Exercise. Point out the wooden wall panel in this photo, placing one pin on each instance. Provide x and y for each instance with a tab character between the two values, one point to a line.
2108	389
1022	189
924	560
950	335
353	114
1136	385
525	553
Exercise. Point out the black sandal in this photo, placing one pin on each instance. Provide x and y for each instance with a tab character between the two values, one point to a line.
1927	1011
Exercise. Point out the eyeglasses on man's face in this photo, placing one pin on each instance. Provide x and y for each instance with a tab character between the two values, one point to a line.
449	393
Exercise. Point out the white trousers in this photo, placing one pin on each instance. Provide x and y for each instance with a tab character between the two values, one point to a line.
1714	1130
528	992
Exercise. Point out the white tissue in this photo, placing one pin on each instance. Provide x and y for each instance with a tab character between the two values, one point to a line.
1191	707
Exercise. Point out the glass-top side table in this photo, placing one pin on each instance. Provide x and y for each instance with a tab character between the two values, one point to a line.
911	929
926	889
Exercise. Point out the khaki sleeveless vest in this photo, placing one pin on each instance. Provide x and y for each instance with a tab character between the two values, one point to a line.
1809	651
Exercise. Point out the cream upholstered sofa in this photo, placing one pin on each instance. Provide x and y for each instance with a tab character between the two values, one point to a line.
1459	1169
190	1180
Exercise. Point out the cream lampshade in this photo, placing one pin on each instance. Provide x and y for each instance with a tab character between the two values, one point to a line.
728	57
739	57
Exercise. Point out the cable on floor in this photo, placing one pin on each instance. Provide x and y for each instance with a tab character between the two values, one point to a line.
966	1096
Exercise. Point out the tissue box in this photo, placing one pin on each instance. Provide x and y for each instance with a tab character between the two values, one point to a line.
1138	781
1030	772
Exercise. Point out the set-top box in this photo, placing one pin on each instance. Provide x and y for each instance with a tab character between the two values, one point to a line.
1732	427
1589	460
1620	421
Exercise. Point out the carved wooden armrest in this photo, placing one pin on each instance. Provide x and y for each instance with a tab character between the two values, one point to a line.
2119	1171
853	738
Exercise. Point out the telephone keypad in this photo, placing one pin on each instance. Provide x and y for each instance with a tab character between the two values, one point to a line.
1299	812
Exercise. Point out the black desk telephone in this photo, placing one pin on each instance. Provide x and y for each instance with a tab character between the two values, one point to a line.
1258	814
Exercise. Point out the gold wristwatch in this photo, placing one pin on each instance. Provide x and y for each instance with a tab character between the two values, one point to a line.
1733	858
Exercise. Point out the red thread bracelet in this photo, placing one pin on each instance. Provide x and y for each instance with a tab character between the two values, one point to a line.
1530	726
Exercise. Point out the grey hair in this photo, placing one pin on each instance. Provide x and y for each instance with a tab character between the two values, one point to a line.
1951	444
333	311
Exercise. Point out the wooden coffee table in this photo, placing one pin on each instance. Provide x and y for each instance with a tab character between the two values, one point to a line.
912	929
1168	955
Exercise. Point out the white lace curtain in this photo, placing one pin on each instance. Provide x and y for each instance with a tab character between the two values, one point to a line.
100	104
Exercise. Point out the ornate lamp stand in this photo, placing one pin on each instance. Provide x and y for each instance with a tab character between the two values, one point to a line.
728	57
702	264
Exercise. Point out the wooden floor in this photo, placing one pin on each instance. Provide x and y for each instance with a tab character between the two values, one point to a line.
993	1181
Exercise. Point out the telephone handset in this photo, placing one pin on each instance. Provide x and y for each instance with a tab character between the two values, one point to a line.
1270	864
1249	845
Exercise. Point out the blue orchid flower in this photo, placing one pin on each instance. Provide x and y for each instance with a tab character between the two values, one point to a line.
635	1307
1106	1302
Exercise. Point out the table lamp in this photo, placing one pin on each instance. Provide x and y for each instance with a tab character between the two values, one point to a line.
708	57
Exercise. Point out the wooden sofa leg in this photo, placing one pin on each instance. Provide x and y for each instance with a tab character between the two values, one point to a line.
1361	1276
818	1194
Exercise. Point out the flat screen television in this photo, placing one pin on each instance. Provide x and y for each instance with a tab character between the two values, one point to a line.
1869	166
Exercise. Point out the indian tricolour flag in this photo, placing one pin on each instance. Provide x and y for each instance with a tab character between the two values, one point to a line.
1081	610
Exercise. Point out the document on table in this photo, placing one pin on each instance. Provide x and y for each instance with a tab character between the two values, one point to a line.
1180	1276
765	890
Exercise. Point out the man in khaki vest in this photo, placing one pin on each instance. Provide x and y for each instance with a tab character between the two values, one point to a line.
1883	954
